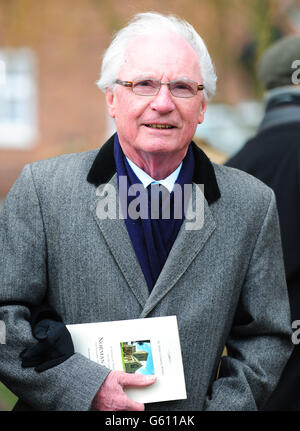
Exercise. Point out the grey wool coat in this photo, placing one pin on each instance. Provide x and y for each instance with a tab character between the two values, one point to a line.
225	283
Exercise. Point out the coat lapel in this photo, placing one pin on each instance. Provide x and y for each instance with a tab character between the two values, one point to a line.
117	239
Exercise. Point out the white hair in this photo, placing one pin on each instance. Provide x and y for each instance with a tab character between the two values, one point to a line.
149	23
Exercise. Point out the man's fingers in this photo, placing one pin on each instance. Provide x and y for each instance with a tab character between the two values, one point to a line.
135	380
127	379
111	395
134	406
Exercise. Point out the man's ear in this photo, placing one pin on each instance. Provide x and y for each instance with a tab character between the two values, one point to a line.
202	111
110	102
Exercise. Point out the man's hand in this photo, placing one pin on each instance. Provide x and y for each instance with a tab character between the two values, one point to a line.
111	396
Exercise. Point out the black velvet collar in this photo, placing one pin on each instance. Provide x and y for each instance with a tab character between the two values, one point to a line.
104	167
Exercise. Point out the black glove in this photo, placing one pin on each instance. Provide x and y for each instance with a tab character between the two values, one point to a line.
54	341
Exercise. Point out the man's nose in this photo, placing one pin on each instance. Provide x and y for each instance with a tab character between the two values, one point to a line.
163	101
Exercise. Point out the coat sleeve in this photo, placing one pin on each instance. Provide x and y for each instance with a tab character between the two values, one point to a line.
259	343
71	385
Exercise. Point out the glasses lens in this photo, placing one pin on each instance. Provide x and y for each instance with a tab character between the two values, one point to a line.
146	87
184	88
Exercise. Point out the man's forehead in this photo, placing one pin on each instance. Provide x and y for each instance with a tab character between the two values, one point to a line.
145	54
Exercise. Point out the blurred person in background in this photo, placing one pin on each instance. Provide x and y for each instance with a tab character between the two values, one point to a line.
273	156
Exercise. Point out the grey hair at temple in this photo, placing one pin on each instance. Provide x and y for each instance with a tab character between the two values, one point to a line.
149	23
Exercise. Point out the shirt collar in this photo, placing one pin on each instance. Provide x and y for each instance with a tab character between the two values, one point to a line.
104	167
147	179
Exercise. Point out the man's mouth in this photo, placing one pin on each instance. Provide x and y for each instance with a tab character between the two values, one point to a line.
159	126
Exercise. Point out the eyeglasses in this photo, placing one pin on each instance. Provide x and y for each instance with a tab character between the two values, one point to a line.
150	87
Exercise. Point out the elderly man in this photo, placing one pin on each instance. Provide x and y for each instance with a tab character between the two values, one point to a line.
223	280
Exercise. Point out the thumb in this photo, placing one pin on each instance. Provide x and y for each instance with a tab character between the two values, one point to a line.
127	379
41	331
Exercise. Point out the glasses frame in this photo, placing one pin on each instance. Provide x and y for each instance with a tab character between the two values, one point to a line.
130	84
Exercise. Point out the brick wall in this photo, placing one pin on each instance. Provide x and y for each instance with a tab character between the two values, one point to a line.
67	39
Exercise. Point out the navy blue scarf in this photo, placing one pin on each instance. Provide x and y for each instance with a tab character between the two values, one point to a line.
152	239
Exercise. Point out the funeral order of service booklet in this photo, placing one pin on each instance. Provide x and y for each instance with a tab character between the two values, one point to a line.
145	346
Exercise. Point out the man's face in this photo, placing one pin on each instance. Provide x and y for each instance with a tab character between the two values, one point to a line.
165	58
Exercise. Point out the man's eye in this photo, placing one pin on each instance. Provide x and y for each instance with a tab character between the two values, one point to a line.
146	83
182	86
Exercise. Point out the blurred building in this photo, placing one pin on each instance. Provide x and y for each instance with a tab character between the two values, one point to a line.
49	62
50	56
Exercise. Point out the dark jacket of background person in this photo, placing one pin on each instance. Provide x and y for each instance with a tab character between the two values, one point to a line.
273	156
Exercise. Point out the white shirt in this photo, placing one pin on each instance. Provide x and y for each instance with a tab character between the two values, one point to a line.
146	179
